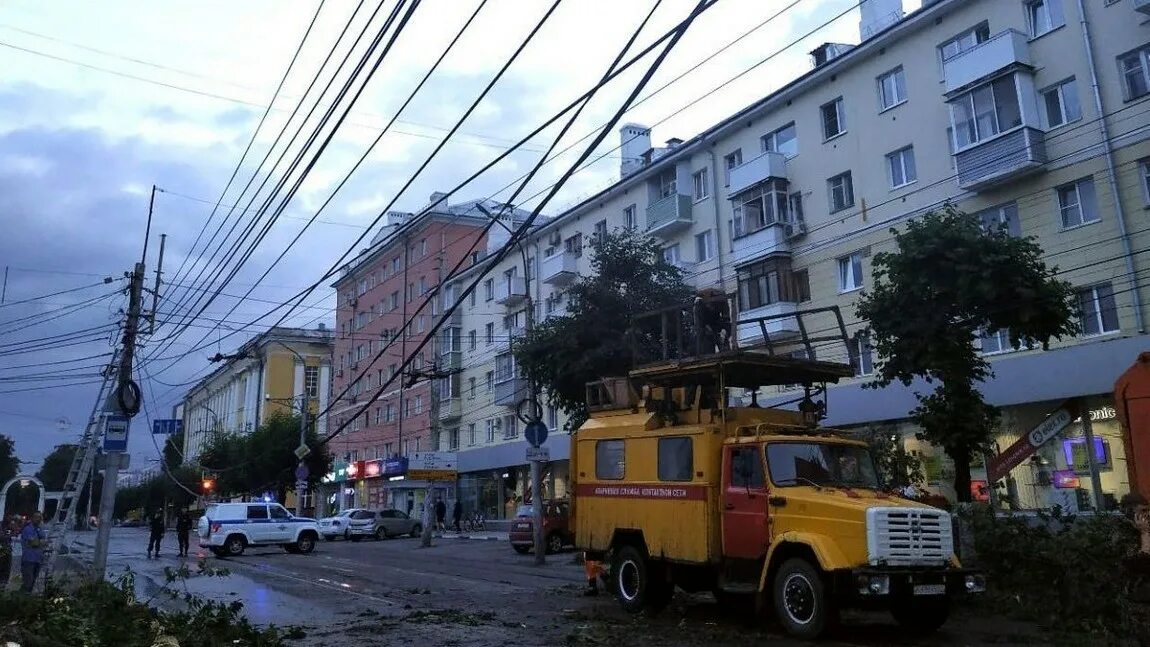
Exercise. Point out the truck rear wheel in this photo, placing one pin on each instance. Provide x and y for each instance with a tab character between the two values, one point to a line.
637	583
801	602
922	617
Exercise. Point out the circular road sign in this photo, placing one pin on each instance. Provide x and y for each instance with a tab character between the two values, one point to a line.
535	433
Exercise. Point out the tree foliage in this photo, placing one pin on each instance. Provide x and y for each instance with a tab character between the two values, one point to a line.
174	450
948	280
628	276
264	460
54	471
9	463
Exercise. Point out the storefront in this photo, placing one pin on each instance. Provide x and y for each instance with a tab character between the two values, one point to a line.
496	480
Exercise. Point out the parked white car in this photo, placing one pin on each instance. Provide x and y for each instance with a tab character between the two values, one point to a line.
230	528
338	525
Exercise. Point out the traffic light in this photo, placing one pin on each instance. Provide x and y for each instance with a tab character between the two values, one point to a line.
208	484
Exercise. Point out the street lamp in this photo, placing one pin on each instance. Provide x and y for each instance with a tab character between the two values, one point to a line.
305	414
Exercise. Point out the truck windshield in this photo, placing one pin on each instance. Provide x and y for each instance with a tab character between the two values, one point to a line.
821	464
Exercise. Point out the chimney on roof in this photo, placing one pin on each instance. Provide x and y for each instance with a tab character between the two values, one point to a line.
877	15
396	218
635	140
438	200
674	142
828	52
321	327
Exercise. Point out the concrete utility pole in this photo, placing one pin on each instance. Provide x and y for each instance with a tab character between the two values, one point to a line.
533	408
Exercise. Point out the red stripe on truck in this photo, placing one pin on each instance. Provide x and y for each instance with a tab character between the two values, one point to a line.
663	492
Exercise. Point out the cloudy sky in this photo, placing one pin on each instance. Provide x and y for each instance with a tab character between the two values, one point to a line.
101	101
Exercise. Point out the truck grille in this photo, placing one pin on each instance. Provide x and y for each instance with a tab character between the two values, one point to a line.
909	536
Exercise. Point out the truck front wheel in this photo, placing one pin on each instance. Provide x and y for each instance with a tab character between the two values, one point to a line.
922	617
637	584
801	602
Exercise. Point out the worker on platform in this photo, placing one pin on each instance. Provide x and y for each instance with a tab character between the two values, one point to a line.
713	317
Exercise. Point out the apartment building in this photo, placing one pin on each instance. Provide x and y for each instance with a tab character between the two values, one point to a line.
385	286
1031	114
282	369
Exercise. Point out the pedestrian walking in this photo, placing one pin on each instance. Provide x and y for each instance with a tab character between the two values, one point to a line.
440	514
156	533
32	544
183	527
457	515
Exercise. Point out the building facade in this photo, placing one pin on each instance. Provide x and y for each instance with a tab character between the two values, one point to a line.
284	370
1031	114
388	284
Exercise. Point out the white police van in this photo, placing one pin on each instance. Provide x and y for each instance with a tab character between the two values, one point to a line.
230	528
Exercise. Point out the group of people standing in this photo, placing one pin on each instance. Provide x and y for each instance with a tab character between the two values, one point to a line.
157	526
32	539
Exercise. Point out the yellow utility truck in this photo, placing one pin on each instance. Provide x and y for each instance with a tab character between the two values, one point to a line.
677	484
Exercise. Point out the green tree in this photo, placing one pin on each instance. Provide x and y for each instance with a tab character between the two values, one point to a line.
265	459
898	467
628	276
9	463
174	451
54	471
948	280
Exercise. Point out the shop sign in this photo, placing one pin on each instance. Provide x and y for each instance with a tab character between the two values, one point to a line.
432	466
1046	430
395	466
372	469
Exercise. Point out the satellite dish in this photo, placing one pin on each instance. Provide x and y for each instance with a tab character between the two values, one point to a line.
63	424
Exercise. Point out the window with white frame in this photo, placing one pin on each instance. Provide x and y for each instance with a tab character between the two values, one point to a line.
490	424
489	379
965	41
574	245
900	167
471	339
630	221
552	418
489	329
510	426
892	88
471	387
1077	203
600	229
1097	309
766	204
699	179
834	119
1135	69
471	433
767	282
705	245
394	300
1144	167
850	272
985	112
311	381
996	341
861	354
672	256
489	289
730	161
842	192
666	182
1003	216
1044	16
504	367
1060	104
418	404
784	140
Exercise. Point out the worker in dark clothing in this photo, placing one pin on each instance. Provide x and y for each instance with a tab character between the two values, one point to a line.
713	318
183	527
156	533
457	515
440	515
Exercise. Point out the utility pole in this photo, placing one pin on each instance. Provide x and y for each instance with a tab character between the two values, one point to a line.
301	468
533	415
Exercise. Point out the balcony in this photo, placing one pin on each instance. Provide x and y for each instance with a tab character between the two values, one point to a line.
1004	50
1142	6
754	171
559	269
1006	157
509	393
451	360
511	292
751	334
450	408
503	340
768	241
669	215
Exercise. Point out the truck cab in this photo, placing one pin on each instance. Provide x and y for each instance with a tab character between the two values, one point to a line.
679	483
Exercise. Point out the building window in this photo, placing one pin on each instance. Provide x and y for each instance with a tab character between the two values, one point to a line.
472	299
510	427
574	245
471	339
672	256
667	186
629	219
1003	216
986	112
796	203
490	330
453	438
996	341
311	381
842	192
471	433
834	119
730	161
802	284
892	88
1135	70
489	290
705	245
766	282
471	387
676	459
1044	16
699	180
900	166
395	265
389	412
418	404
1097	309
862	354
850	272
1076	203
967	40
765	205
490	430
378	415
1144	165
1061	104
783	140
552	417
490	380
599	232
610	460
423	247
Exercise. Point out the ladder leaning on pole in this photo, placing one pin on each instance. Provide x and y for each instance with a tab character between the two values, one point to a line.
78	475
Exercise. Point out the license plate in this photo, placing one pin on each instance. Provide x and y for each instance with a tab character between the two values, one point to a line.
522	526
930	589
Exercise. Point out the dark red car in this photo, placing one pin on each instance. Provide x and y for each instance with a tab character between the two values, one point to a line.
556	527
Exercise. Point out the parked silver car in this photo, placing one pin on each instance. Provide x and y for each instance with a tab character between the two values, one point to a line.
337	525
382	524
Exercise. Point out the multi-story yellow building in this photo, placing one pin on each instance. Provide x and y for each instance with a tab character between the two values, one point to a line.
1030	113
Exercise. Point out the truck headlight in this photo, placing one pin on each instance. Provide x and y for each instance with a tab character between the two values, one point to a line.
874	585
975	583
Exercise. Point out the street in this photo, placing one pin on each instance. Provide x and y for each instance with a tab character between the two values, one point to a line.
475	593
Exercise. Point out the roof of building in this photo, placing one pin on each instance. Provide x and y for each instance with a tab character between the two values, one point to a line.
319	335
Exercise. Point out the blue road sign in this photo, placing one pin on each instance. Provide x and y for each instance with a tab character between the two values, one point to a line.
167	426
116	433
535	433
